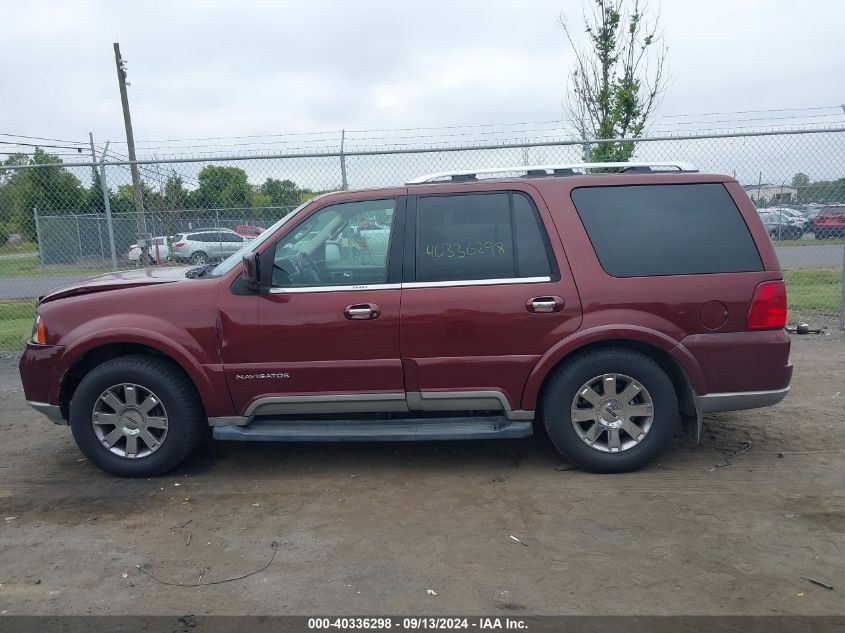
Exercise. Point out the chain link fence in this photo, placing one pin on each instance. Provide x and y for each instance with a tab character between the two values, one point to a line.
63	222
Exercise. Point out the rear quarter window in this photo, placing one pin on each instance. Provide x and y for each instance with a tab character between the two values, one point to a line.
656	230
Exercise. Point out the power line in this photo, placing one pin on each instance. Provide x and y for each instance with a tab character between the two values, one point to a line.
671	116
40	138
223	138
18	143
472	126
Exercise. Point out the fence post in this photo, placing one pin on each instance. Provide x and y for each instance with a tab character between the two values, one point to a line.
109	225
343	183
100	235
38	235
842	305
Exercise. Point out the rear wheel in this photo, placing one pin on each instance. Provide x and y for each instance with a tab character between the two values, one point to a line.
610	410
136	416
199	258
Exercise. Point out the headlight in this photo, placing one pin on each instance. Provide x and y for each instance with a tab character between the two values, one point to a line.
38	331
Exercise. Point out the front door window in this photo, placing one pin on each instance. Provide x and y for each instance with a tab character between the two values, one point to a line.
343	244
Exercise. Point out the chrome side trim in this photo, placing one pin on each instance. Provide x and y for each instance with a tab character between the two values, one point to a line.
350	288
337	403
739	400
376	403
457	401
412	284
476	282
229	420
52	411
465	401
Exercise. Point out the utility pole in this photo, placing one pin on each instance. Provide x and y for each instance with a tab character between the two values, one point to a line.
93	153
140	220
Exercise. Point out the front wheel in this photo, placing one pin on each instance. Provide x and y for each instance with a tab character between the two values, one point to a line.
610	410
136	416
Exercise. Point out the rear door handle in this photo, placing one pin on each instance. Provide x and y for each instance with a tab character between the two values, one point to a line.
362	312
545	304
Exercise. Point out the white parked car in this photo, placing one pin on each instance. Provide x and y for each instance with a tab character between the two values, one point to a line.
159	251
207	245
799	219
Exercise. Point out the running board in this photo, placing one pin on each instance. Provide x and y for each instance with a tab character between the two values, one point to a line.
374	431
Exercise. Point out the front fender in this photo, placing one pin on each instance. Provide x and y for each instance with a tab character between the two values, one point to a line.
153	332
609	334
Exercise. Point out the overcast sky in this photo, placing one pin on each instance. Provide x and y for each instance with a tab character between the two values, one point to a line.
209	68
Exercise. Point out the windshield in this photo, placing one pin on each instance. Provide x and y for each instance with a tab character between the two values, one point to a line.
237	257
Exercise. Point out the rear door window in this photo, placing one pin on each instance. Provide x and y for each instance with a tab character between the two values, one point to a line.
479	236
653	230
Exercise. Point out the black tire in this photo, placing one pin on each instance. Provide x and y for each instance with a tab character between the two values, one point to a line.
199	258
186	419
561	390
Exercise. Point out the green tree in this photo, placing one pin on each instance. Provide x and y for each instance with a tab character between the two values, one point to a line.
51	190
94	196
801	183
221	187
282	193
819	191
618	76
175	195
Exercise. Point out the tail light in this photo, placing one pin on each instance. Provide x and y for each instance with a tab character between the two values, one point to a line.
178	244
768	306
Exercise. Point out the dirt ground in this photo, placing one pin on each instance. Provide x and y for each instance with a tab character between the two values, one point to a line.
381	528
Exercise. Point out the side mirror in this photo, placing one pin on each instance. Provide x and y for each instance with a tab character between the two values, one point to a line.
250	267
252	271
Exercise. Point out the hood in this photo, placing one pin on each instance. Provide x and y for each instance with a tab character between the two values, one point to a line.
114	281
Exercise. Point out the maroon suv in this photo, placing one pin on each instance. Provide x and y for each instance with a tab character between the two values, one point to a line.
610	307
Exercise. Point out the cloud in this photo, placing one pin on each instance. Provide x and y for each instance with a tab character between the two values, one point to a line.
216	68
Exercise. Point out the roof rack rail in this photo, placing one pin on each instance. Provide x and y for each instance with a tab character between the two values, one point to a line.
534	171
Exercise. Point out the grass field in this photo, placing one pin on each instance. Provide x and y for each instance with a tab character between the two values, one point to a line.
813	291
15	324
24	247
31	267
805	242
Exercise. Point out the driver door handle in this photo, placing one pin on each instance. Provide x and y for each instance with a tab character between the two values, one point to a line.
362	312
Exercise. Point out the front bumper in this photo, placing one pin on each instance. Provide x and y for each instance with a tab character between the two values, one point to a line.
52	411
37	365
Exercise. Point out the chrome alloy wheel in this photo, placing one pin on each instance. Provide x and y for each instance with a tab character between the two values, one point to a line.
612	413
130	421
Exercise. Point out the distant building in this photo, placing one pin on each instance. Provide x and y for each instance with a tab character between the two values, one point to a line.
771	194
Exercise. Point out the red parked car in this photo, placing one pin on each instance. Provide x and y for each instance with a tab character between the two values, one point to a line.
611	308
244	230
830	222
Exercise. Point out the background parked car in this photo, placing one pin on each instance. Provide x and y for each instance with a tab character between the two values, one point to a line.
249	232
159	251
830	222
799	218
201	247
780	225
